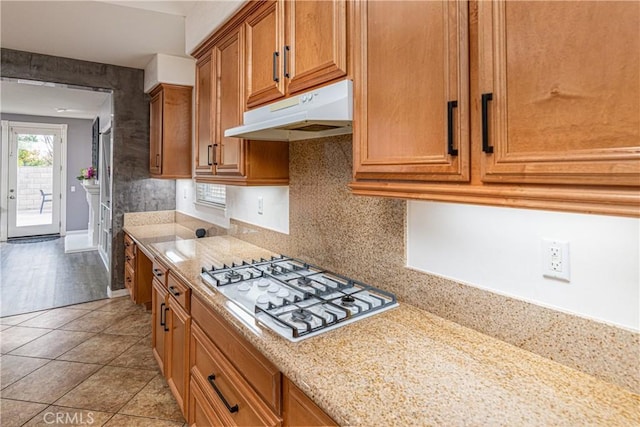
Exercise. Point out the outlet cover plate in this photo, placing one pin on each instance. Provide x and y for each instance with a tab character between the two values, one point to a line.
555	259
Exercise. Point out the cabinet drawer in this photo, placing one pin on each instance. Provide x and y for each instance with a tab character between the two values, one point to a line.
160	272
252	365
201	411
180	291
222	383
129	279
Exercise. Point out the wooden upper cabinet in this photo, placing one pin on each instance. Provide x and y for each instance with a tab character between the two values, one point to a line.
564	82
204	113
170	131
155	134
316	43
229	85
411	91
294	46
264	42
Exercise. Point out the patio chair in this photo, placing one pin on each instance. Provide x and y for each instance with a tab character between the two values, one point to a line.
44	199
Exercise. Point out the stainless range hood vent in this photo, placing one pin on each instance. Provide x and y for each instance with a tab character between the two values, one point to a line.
327	111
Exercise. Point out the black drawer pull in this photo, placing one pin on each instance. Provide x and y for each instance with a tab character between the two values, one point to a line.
157	272
166	329
286	65
275	67
215	157
209	147
486	97
450	106
231	409
173	291
162	320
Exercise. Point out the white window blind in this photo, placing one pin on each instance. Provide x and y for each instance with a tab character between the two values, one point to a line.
211	194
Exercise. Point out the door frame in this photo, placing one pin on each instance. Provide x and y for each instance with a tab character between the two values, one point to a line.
4	174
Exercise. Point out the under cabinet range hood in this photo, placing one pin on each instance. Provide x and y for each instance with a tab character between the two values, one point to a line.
322	112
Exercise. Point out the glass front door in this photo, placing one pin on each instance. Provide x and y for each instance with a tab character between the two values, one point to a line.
34	179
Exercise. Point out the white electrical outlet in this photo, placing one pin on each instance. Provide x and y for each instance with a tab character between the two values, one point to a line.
73	188
555	259
260	205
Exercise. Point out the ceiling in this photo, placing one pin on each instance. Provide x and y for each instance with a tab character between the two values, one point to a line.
124	33
49	100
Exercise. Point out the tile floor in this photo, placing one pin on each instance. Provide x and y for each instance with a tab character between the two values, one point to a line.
86	364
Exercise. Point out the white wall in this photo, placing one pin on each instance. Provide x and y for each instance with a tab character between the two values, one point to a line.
169	69
499	249
242	204
205	17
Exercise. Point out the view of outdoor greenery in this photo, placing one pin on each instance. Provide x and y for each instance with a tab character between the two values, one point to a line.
35	150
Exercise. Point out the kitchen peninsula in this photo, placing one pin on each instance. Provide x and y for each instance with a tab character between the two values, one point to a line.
401	367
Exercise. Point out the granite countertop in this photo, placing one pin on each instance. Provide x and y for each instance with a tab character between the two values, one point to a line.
406	366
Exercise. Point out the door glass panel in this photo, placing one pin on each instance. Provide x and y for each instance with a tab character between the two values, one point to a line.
34	186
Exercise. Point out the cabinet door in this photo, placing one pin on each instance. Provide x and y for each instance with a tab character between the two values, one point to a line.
155	134
204	116
158	327
229	159
316	38
177	372
563	81
265	41
411	91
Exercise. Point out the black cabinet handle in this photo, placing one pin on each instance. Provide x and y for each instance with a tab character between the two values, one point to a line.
209	147
165	319
157	160
157	272
215	157
128	258
231	409
162	320
486	97
450	106
275	67
286	63
173	291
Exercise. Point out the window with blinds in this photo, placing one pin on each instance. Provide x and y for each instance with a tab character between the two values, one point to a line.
211	194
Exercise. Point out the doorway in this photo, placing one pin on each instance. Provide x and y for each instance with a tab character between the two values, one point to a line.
36	201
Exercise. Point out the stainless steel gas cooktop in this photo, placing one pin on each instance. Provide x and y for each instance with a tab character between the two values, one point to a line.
295	299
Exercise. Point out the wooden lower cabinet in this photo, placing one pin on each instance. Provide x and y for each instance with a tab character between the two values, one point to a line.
159	329
138	274
177	367
229	394
299	410
170	334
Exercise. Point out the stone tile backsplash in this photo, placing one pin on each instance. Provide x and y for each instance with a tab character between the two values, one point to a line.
364	238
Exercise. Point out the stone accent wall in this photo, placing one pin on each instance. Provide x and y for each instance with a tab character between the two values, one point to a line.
32	179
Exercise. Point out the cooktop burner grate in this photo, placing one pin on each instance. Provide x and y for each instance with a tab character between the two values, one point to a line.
294	298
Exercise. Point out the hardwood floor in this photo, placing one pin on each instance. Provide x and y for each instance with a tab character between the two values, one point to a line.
39	276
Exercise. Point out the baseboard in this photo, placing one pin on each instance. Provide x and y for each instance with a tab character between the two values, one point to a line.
77	232
117	293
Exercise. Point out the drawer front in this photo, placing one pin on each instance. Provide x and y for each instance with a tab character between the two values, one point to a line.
201	411
130	256
222	383
129	280
129	244
254	367
160	272
180	291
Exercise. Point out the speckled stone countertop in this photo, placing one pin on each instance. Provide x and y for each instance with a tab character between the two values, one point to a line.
407	366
